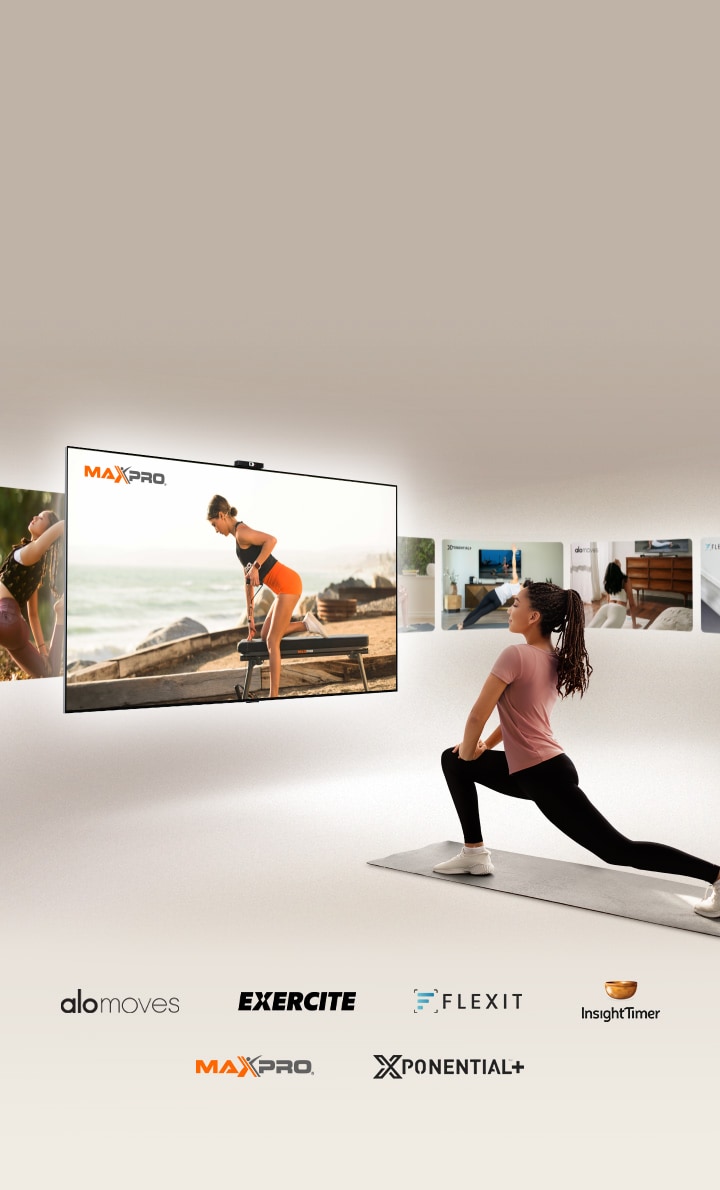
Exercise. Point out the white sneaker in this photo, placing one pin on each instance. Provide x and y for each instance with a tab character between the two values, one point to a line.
476	862
313	625
710	907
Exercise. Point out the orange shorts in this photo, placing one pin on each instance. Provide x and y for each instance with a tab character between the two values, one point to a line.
282	580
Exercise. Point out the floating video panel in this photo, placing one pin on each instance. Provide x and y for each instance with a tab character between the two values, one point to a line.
193	582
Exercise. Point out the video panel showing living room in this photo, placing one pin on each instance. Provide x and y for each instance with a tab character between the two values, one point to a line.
645	584
416	584
481	578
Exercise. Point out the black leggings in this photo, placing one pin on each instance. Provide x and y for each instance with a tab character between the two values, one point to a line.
487	604
553	786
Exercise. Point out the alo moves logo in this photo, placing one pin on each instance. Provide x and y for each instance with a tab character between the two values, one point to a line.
127	1004
123	474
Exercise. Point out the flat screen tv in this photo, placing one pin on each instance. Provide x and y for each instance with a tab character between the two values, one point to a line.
192	582
664	545
496	565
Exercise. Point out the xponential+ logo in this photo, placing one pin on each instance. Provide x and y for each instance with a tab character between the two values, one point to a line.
435	1001
255	1067
123	474
397	1066
119	1004
297	1002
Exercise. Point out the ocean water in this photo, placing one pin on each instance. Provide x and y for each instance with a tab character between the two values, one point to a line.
110	610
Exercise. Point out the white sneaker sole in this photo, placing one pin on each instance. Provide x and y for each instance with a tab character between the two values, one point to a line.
480	870
711	913
314	627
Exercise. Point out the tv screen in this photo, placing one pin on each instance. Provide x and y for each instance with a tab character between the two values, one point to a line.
664	545
193	582
496	565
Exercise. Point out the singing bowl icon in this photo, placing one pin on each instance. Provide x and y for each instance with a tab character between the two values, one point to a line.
621	989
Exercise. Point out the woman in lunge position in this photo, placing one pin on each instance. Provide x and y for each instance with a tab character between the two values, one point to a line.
29	564
524	685
261	568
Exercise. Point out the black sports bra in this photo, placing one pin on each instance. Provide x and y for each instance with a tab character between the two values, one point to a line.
251	554
21	581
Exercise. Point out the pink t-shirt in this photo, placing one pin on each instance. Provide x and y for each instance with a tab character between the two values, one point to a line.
526	704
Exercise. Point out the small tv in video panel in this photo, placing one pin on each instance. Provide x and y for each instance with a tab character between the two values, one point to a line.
497	564
192	582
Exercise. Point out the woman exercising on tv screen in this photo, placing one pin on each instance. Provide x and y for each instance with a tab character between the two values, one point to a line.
28	565
495	598
524	684
262	569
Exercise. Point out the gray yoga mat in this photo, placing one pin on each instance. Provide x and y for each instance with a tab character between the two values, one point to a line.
604	890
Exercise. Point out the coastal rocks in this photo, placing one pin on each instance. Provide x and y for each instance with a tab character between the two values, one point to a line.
380	607
264	600
75	667
174	631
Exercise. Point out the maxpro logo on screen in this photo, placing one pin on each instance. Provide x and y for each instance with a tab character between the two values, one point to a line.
255	1067
123	474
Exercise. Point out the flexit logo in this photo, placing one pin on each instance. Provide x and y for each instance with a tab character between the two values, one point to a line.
472	1001
124	474
397	1066
256	1067
422	999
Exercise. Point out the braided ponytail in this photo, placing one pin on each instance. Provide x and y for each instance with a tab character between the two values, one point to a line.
562	612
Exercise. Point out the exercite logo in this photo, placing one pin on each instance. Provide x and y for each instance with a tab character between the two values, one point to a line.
297	1002
254	1067
396	1066
88	1005
124	474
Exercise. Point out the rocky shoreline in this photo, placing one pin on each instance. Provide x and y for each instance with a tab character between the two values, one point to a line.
376	600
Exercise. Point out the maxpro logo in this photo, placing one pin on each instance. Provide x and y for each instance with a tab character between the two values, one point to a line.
397	1067
256	1067
123	474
